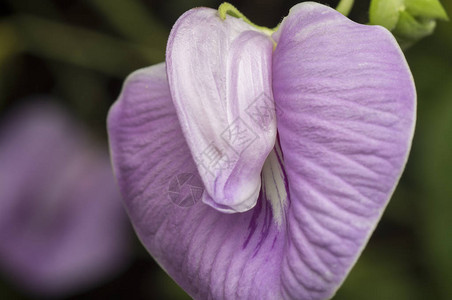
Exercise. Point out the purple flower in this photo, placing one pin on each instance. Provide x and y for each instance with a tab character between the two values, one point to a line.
293	143
62	225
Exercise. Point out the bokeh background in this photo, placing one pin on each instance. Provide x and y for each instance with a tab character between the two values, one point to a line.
78	52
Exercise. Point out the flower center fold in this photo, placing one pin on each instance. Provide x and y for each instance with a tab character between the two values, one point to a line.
274	184
220	77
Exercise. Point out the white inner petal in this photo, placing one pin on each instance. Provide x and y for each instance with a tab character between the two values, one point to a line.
219	73
273	184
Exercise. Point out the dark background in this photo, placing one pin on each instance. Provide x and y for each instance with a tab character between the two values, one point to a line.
79	52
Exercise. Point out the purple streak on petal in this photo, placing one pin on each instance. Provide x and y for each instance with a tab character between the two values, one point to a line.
62	225
201	248
347	102
220	80
253	222
268	221
262	206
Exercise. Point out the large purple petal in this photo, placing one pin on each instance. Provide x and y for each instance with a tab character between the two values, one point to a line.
62	225
347	110
219	74
212	255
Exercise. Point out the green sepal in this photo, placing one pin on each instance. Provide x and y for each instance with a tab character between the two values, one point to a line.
385	13
409	27
408	20
431	9
409	30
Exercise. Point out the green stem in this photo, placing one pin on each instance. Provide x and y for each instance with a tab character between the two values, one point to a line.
345	6
228	9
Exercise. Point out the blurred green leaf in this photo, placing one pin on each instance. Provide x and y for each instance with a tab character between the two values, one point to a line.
9	42
82	47
42	7
436	166
132	19
175	8
9	46
381	273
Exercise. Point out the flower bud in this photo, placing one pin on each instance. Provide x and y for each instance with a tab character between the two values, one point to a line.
408	20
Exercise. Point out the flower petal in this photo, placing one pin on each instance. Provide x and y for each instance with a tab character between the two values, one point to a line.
209	253
219	73
346	102
62	225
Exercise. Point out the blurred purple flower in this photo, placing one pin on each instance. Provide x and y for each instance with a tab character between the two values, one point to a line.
62	226
306	140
